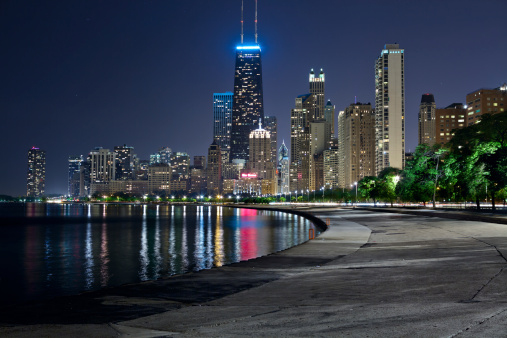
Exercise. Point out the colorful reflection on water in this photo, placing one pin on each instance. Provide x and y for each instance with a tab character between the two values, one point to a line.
50	250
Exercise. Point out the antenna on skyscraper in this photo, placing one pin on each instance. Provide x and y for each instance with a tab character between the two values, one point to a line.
255	21
241	21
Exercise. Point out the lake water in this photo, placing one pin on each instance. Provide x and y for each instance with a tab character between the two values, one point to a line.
49	250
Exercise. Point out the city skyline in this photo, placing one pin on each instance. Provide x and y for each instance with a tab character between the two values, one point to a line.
91	74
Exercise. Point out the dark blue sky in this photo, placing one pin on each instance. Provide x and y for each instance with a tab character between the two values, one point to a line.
80	74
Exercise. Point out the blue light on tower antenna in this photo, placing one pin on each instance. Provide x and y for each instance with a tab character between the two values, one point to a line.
248	47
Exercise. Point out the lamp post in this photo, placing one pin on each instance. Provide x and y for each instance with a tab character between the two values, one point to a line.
308	193
355	183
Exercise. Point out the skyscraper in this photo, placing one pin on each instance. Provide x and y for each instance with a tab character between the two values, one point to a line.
484	101
214	170
357	143
427	120
447	119
36	173
260	161
180	164
102	165
125	159
270	124
317	89
390	109
247	105
329	111
222	120
74	175
283	169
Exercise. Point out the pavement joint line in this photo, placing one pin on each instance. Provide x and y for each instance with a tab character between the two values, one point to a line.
480	322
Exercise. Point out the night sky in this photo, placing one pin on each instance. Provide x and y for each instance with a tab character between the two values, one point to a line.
80	74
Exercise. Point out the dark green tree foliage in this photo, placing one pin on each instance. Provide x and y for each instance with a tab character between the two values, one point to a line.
478	160
418	179
370	188
389	178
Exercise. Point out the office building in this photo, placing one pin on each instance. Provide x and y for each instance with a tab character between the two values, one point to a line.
317	90
180	164
125	162
357	143
74	174
159	179
102	165
427	131
260	162
390	109
329	111
36	173
270	124
247	105
448	119
331	165
484	101
214	170
222	120
200	162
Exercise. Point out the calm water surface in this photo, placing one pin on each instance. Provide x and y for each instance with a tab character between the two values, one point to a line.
49	250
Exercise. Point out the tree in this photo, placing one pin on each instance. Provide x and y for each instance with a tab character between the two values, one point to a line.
370	187
417	182
389	178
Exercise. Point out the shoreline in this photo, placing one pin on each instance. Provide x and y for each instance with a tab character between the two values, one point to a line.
370	274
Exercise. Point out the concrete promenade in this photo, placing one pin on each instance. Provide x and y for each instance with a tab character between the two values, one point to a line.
372	274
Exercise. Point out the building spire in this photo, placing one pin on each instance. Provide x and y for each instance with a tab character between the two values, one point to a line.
241	21
260	123
256	21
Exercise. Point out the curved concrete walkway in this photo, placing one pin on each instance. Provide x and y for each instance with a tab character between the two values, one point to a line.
371	274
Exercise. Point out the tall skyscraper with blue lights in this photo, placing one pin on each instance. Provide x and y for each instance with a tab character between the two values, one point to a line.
247	105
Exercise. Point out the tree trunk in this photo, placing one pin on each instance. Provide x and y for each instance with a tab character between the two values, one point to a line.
478	203
493	206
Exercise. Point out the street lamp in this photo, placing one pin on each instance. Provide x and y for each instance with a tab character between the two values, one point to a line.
308	193
355	183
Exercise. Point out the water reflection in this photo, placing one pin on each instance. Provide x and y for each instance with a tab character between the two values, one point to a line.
67	249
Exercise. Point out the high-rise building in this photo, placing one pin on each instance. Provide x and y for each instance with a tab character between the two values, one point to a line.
447	119
247	105
74	175
331	163
125	163
159	179
200	162
484	101
329	111
427	109
163	155
102	165
222	119
260	162
270	124
357	141
214	170
283	169
198	181
85	179
300	142
390	109
180	164
317	90
36	173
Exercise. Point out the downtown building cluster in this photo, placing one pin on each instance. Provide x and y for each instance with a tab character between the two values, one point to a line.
436	125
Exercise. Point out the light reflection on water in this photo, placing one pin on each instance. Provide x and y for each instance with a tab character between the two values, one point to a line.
51	250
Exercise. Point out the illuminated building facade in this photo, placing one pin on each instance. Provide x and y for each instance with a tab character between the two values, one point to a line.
159	179
36	173
390	109
102	165
214	170
484	101
447	119
180	164
357	141
74	175
427	132
270	124
222	120
247	105
125	162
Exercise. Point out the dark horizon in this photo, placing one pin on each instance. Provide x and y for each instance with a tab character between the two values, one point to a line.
89	73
